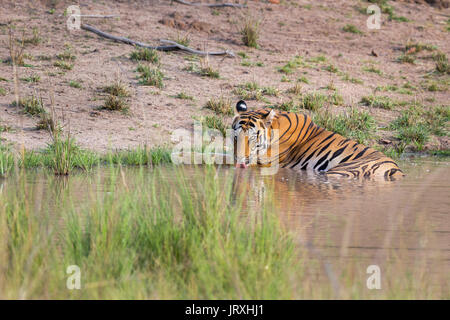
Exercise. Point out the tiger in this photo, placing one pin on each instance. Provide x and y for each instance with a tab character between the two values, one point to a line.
300	144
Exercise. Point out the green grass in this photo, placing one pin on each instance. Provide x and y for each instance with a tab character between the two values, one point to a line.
63	156
296	89
220	105
154	241
407	88
35	39
407	58
416	124
32	105
183	40
6	161
184	96
150	76
347	77
115	103
208	71
33	78
352	29
416	47
442	65
357	125
288	106
63	65
303	79
331	68
318	59
75	84
291	65
214	122
66	55
145	54
62	150
117	88
313	101
382	102
253	91
372	69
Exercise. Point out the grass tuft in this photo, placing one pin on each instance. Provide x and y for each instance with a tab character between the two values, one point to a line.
150	76
352	29
358	125
145	54
220	105
250	31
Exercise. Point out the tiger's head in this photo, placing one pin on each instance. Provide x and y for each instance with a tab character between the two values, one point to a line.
252	134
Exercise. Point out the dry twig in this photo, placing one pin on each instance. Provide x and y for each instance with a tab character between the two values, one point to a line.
172	45
211	5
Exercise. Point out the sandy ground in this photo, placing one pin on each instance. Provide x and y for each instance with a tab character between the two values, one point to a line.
307	28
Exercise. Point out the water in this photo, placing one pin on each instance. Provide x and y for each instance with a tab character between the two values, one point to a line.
401	226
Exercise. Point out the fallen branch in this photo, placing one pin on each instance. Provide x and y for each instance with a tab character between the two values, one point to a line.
211	5
98	16
173	46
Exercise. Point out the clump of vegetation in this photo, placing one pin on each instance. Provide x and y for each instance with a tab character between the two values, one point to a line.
318	59
415	125
252	91
145	54
63	64
115	103
382	102
117	88
346	77
214	122
150	76
303	79
47	122
16	48
292	64
33	78
313	101
35	38
288	106
116	99
207	70
183	40
442	65
31	105
182	95
372	69
221	105
6	161
352	29
436	85
296	89
405	89
331	68
249	31
416	47
66	55
357	125
2	91
407	58
75	84
336	99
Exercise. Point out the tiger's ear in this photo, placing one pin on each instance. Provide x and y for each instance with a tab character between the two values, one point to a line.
241	106
268	119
